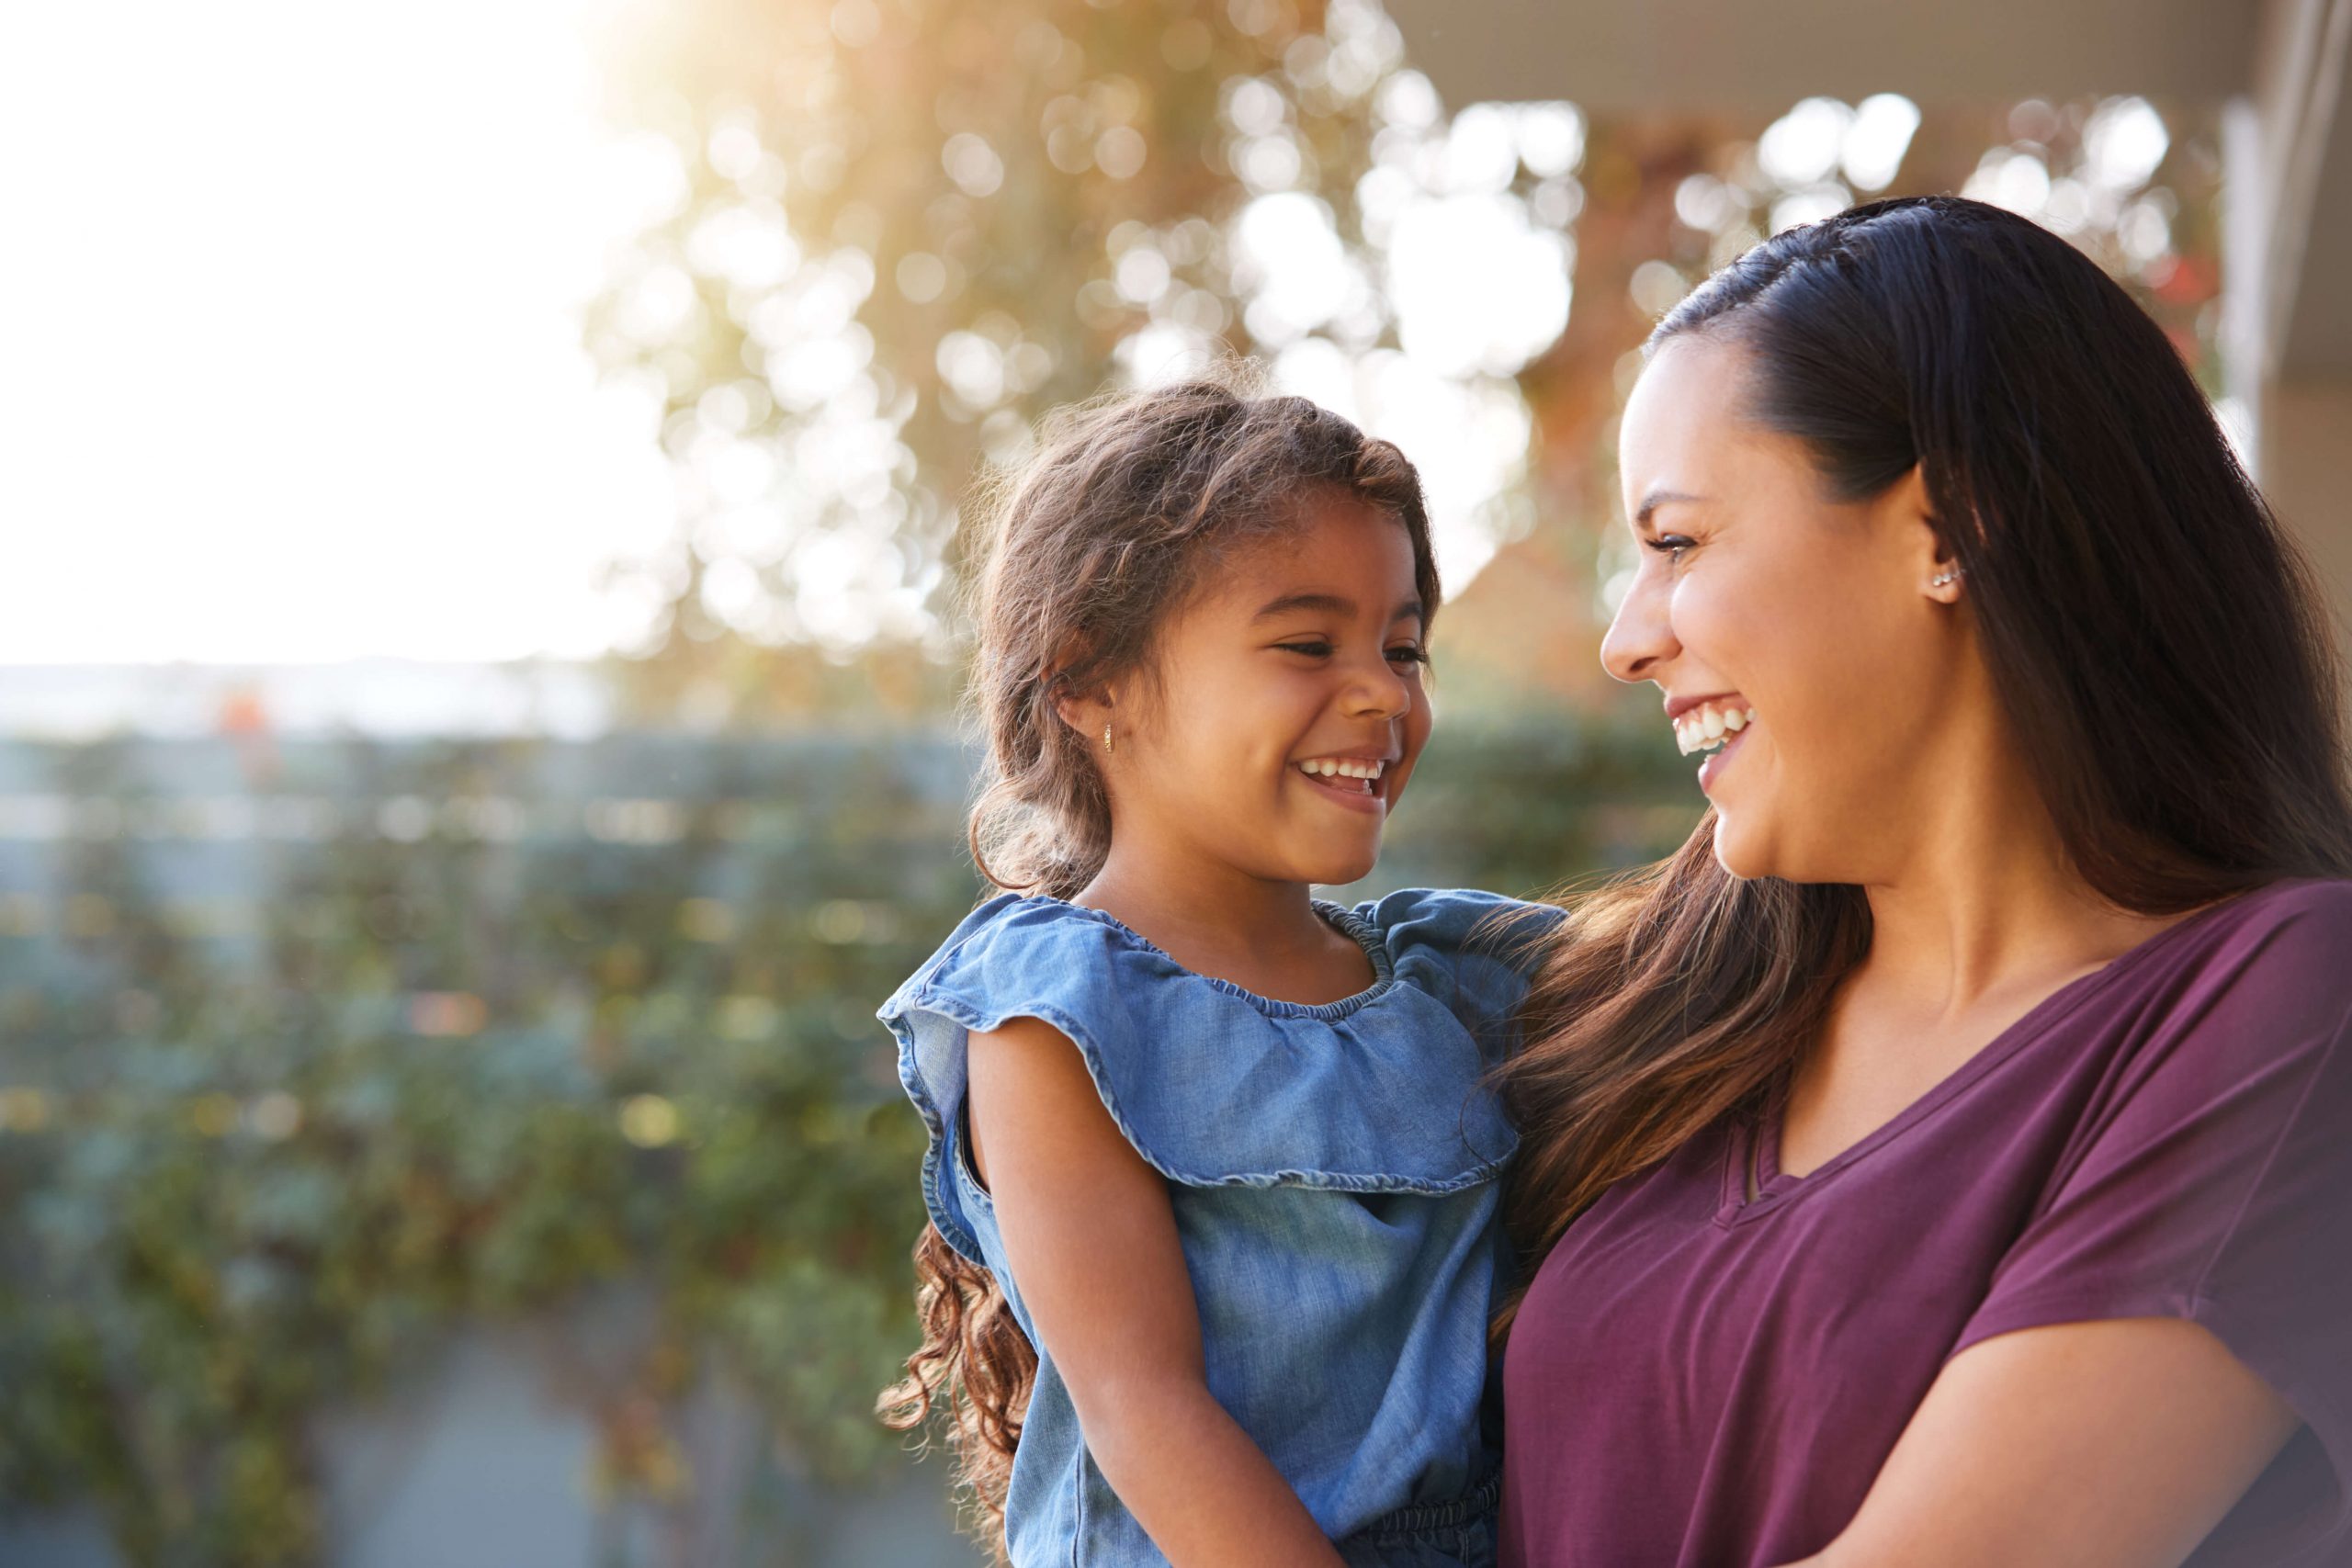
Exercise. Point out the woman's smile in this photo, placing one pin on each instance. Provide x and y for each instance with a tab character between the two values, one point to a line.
1717	761
1713	725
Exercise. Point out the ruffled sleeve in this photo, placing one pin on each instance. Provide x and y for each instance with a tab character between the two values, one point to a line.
1476	952
1379	1092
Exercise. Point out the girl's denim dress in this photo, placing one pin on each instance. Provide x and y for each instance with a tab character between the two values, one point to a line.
1332	1171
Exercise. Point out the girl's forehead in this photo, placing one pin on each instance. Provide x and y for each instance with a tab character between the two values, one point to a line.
1359	554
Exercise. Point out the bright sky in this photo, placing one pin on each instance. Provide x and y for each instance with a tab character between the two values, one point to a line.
289	295
290	367
290	361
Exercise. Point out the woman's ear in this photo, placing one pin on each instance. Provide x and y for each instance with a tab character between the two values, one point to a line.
1927	552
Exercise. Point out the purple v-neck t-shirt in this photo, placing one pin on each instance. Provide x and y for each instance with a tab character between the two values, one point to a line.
1703	1380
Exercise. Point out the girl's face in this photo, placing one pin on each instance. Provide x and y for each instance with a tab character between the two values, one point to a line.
1289	707
1799	641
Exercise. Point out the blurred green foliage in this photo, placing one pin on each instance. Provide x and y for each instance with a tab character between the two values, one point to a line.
306	1061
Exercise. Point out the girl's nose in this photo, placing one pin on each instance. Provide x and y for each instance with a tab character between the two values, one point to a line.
1379	690
1641	635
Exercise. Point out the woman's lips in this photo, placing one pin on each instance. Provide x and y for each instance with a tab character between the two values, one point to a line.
1719	759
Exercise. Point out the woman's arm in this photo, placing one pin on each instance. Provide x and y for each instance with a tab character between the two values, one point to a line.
1090	1236
2113	1444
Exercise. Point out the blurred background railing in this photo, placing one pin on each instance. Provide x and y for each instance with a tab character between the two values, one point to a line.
322	1056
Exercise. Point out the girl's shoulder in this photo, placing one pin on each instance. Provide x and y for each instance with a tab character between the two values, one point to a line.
1035	954
1214	1085
1473	950
1449	921
1029	954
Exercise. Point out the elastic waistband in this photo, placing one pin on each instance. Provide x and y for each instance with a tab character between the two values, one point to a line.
1421	1519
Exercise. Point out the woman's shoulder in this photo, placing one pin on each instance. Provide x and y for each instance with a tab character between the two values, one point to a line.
2269	970
2301	924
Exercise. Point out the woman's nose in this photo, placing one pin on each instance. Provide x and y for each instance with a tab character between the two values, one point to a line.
1641	635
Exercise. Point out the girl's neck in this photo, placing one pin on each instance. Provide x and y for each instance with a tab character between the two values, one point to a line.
1209	917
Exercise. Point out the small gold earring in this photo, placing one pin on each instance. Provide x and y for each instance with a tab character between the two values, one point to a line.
1106	739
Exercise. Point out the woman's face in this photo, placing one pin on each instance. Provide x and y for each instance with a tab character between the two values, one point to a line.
1801	648
1302	650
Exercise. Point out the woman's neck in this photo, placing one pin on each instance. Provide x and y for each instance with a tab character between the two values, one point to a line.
1987	899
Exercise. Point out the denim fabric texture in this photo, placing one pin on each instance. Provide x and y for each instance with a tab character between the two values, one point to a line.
1332	1171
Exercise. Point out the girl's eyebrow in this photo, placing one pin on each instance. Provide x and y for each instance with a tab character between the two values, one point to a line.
1333	603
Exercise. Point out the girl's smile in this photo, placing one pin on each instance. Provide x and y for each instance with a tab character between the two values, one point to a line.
1353	780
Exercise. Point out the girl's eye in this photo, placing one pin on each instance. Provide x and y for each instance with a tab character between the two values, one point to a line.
1670	546
1403	652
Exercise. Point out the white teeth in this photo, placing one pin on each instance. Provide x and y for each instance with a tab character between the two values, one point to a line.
1345	767
1699	731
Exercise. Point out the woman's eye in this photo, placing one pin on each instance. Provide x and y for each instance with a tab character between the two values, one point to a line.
1314	650
1411	653
1670	546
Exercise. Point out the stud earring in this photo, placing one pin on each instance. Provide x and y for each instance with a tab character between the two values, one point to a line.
1106	739
1949	577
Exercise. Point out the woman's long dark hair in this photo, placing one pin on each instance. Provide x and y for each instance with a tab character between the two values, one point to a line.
2155	640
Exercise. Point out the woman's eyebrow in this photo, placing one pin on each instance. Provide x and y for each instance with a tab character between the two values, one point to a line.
1656	499
1334	603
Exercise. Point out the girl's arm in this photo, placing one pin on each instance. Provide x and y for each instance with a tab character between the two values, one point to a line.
1090	1236
2111	1444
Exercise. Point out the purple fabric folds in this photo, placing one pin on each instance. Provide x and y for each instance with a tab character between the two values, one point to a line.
1704	1379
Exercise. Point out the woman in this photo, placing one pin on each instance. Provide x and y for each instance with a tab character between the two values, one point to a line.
1946	1157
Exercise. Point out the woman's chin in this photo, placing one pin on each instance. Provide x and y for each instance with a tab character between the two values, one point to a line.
1739	853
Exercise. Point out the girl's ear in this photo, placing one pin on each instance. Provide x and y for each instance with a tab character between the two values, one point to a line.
1086	712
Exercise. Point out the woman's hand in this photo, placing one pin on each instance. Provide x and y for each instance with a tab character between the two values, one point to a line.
2113	1444
1093	1241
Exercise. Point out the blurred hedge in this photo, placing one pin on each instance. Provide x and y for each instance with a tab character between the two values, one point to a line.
309	1052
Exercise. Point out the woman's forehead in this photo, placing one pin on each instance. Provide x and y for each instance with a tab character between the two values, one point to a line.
1687	428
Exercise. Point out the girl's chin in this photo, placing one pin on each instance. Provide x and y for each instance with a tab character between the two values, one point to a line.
1337	867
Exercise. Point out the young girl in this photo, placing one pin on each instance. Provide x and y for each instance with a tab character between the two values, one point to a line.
1211	1173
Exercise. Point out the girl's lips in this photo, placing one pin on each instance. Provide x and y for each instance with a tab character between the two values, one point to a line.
1352	796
